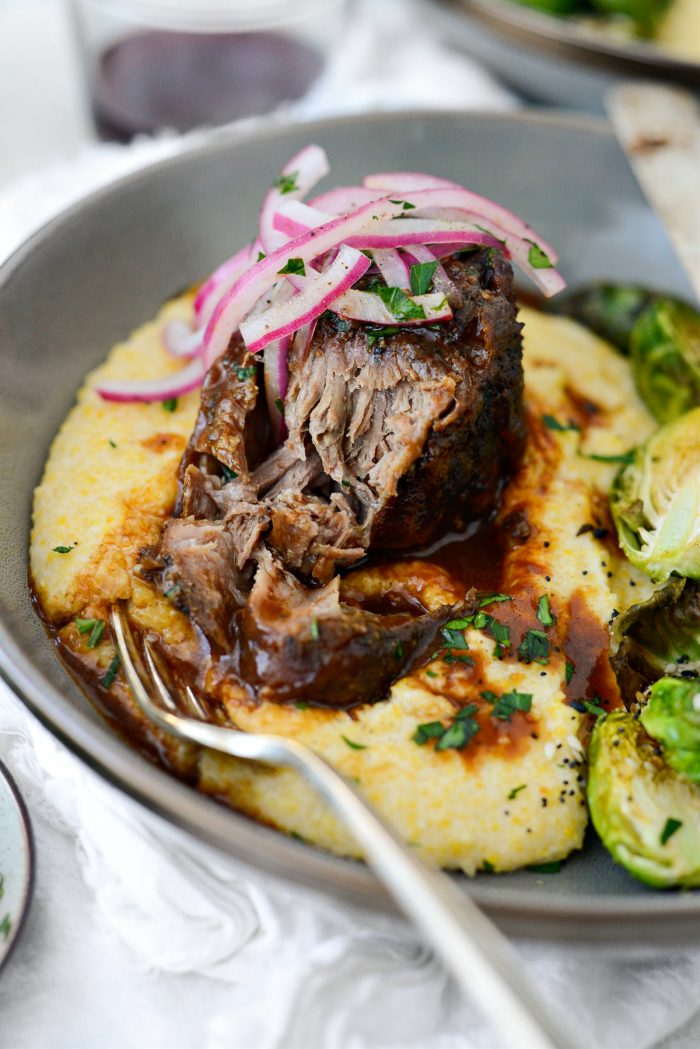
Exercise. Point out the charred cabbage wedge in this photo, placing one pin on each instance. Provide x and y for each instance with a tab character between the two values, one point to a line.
647	816
659	637
672	717
655	501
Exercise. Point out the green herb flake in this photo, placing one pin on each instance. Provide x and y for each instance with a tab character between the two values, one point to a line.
398	650
546	868
96	633
538	259
301	704
286	183
461	731
453	638
535	648
229	474
6	927
487	867
594	707
297	836
111	672
172	590
261	256
64	549
351	743
84	626
422	274
406	207
111	443
493	599
506	705
544	613
2	885
244	371
515	791
430	673
399	304
458	657
459	624
568	671
279	404
670	828
430	730
624	457
294	266
374	335
170	405
553	424
315	632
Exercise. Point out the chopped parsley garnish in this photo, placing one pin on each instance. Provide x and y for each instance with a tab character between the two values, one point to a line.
261	256
406	207
450	737
286	183
84	626
544	613
624	457
538	259
516	790
351	743
301	704
297	836
373	335
430	673
279	404
498	631
487	867
244	371
399	304
459	624
111	443
422	274
492	599
670	828
592	706
170	404
568	671
294	266
315	632
6	927
506	705
337	322
229	474
535	647
398	650
453	638
111	672
63	549
553	424
546	868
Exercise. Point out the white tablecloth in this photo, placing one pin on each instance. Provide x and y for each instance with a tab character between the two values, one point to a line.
139	936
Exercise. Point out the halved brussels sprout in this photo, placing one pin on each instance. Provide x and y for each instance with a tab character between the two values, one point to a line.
665	352
647	816
660	636
609	310
644	13
672	717
655	501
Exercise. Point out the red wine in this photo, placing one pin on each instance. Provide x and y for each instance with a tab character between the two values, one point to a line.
156	79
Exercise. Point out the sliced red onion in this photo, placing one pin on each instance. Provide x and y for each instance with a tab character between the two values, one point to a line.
233	307
223	278
368	307
276	375
441	281
319	292
392	268
345	198
294	217
180	340
305	169
303	339
177	385
428	191
401	233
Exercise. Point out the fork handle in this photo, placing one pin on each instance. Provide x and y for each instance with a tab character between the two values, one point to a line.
479	957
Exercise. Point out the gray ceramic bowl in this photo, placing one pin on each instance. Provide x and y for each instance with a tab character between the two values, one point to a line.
103	267
555	60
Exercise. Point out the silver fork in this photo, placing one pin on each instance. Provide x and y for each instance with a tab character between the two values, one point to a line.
479	957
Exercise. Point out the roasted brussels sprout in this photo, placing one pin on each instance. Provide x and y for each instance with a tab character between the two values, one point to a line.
610	310
660	636
665	352
645	14
655	501
647	816
672	717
